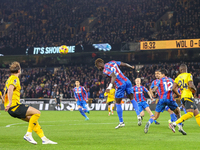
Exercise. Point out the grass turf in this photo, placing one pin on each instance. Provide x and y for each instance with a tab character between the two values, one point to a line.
72	132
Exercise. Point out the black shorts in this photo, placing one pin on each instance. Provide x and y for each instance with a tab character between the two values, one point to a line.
109	103
189	103
18	111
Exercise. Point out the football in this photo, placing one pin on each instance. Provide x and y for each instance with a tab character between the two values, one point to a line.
63	49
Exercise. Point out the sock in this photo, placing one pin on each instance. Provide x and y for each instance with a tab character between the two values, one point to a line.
120	112
184	110
151	120
135	105
155	121
184	117
173	117
111	107
32	122
82	113
108	108
85	110
38	130
198	119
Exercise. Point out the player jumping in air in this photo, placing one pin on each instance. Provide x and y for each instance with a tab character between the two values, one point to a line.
138	90
110	100
165	99
17	110
122	83
185	82
81	97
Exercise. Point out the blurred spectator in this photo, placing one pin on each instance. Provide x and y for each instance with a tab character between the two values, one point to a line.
37	82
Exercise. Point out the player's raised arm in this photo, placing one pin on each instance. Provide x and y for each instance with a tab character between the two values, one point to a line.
126	65
10	94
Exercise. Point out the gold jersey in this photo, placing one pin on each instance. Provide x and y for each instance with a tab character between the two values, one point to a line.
111	95
183	82
13	80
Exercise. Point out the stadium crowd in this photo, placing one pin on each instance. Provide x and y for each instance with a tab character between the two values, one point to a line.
38	82
52	22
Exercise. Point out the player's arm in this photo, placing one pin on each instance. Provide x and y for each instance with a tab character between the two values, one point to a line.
145	89
75	96
175	87
10	94
113	78
155	89
105	94
192	86
150	95
151	92
85	92
127	65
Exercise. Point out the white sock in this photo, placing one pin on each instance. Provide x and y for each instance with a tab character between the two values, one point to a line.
28	133
44	138
179	126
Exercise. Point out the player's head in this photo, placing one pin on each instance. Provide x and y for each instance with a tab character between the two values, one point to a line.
137	81
183	68
163	73
77	83
57	92
157	73
99	63
15	68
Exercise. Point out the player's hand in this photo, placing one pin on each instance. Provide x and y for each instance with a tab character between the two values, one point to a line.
108	90
133	67
86	101
7	108
152	99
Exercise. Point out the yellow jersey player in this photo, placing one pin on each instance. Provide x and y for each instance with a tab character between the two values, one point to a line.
185	82
110	100
17	110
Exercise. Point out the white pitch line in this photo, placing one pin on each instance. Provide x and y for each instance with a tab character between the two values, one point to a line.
9	125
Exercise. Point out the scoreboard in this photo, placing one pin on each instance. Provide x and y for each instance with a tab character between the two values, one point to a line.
170	44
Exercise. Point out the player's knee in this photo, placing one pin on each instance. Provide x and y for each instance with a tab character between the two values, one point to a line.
191	114
39	112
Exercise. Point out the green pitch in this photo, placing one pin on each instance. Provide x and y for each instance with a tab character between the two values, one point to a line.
72	132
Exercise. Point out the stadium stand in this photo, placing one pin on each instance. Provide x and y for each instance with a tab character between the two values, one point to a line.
43	83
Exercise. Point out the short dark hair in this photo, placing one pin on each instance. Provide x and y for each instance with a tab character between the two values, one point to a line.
183	66
157	70
164	71
98	60
14	67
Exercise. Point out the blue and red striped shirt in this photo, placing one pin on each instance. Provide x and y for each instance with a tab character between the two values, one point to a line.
139	93
113	67
154	84
80	93
165	85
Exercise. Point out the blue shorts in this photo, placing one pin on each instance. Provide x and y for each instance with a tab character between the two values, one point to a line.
142	105
126	86
162	103
82	104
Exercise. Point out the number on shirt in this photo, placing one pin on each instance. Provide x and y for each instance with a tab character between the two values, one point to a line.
183	85
168	86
